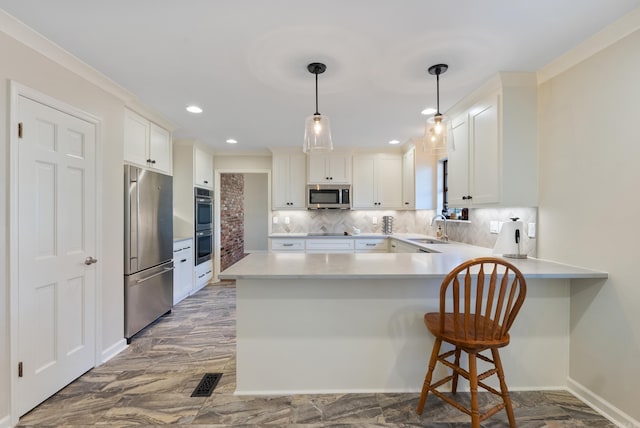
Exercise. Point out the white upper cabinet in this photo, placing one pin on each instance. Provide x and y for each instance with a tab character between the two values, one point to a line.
377	181
203	171
495	161
146	144
418	178
329	168
288	181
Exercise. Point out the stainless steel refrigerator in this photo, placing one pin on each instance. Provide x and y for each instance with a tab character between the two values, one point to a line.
148	248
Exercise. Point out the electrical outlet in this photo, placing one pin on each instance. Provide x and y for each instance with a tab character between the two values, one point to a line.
275	220
531	232
374	220
494	227
286	220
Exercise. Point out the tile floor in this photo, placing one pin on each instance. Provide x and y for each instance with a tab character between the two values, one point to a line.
150	384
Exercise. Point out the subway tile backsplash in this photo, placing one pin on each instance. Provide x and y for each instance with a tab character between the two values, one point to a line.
476	232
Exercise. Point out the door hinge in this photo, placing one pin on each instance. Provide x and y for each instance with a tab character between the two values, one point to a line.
20	369
20	130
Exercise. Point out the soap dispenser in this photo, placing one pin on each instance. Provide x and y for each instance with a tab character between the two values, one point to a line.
439	232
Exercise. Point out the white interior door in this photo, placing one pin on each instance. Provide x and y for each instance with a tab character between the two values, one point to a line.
57	235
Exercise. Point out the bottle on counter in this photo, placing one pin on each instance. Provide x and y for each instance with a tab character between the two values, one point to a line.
439	232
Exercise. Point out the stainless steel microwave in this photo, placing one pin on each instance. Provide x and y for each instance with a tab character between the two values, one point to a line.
328	196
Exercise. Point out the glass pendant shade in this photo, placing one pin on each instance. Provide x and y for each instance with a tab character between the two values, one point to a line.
317	130
317	134
436	133
437	128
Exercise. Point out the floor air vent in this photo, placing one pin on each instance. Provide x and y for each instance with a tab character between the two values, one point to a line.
207	385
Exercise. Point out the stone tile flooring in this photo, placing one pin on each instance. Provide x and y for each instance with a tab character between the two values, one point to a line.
150	384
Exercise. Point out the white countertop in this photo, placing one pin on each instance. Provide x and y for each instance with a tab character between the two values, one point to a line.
380	265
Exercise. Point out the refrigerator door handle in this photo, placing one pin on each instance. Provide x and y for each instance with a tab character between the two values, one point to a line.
134	198
165	270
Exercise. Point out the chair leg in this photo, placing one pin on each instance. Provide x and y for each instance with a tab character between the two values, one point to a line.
503	388
427	379
473	382
454	379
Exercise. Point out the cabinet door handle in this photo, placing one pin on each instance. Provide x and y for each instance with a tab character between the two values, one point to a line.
406	203
183	260
371	245
469	197
464	198
206	182
287	245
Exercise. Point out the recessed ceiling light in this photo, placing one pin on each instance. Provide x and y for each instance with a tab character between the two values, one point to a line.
194	109
231	141
394	142
428	110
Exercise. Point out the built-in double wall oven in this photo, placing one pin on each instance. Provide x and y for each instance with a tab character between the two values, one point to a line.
203	212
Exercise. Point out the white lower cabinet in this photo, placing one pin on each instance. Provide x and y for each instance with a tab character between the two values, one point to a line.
372	245
183	269
330	246
402	247
287	245
203	273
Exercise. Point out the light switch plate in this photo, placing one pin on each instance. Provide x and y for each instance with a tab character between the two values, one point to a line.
494	227
531	232
286	220
374	220
275	220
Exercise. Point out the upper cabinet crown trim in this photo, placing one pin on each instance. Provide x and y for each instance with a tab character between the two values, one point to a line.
606	37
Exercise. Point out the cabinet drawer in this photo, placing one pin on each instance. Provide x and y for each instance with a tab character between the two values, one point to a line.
287	245
330	245
378	245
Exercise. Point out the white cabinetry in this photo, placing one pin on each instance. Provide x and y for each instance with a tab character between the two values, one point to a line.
145	143
192	166
495	136
288	181
418	179
329	168
183	269
379	245
330	245
203	273
203	172
402	247
287	245
377	181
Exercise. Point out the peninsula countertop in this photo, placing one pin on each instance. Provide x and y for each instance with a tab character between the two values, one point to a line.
387	265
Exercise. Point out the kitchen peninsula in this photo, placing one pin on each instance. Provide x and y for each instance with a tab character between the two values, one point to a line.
321	323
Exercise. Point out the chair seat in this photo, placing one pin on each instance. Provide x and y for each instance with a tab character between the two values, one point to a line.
475	340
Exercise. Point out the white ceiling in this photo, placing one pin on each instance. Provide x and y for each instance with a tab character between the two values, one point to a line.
244	61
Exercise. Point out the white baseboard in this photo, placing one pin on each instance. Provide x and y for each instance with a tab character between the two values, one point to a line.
601	405
113	350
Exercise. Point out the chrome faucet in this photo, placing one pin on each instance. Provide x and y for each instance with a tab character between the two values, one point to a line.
445	237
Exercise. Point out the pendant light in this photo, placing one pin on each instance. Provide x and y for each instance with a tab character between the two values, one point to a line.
436	130
317	132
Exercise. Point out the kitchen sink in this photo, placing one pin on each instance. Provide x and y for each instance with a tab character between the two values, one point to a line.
427	241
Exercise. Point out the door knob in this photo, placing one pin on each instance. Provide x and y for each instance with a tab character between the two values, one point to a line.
90	260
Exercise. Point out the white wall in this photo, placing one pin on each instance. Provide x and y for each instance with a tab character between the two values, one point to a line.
256	212
31	69
588	213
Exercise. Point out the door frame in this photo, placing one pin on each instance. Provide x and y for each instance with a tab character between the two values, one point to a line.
216	209
18	90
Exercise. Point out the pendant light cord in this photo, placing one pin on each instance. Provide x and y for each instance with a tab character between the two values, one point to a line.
437	92
317	112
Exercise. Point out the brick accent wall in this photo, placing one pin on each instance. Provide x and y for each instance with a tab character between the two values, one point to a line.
231	219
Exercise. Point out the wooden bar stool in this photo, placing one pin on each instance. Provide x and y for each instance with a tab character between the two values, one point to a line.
475	316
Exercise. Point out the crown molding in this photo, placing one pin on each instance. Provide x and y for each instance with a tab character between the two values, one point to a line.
26	35
606	37
19	31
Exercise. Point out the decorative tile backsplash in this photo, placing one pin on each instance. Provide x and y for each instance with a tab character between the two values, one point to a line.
475	232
